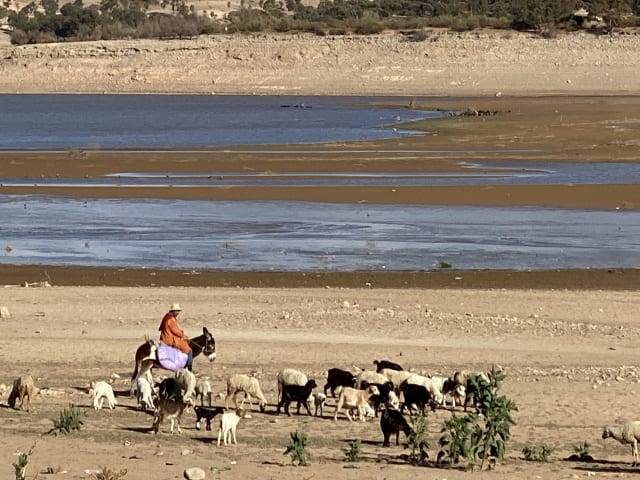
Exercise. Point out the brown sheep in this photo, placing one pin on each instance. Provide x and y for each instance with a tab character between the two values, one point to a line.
23	389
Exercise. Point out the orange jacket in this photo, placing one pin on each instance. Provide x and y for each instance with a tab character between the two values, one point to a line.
171	334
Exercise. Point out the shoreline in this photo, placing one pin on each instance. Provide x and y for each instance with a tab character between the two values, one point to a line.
618	279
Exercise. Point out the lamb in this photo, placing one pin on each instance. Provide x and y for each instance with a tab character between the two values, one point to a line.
203	389
249	386
187	382
206	413
99	391
353	398
296	393
23	390
392	421
382	364
337	377
143	393
317	401
229	424
626	433
290	376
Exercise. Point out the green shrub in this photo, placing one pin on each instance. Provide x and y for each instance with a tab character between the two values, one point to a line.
297	448
496	410
352	452
537	453
20	466
458	440
70	419
417	440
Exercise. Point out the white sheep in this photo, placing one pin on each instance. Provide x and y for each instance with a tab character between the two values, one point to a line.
432	384
229	424
396	377
23	389
249	386
370	377
351	398
290	376
99	391
187	382
144	393
626	433
203	389
317	401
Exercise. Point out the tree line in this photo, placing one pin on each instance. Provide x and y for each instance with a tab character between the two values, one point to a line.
48	21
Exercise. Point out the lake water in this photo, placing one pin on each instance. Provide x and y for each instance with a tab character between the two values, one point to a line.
41	122
285	236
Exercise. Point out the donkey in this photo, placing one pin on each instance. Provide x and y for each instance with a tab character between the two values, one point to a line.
146	353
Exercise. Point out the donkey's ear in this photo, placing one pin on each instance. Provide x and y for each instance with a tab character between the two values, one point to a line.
205	331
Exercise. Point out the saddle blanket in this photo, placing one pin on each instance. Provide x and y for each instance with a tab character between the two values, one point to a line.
171	358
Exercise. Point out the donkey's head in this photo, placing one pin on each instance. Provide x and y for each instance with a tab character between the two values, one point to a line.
209	348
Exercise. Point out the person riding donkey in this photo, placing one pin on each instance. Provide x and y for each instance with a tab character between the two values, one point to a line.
172	335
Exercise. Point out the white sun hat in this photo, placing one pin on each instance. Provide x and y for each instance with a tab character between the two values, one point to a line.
175	308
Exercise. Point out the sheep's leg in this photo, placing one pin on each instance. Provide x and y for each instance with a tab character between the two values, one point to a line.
348	415
233	431
209	398
219	435
634	452
171	420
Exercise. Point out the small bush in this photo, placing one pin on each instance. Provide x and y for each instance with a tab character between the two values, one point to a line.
352	452
297	448
108	474
458	439
20	466
581	452
418	441
70	419
537	453
443	264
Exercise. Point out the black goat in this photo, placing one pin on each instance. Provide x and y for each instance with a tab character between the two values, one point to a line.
296	393
206	413
381	364
392	421
337	377
416	395
169	390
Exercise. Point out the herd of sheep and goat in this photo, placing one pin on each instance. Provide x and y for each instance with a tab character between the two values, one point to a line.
362	396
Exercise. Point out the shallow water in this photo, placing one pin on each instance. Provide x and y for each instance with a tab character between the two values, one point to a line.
41	122
294	236
543	173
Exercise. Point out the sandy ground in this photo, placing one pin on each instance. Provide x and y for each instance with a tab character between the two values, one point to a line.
571	359
471	63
